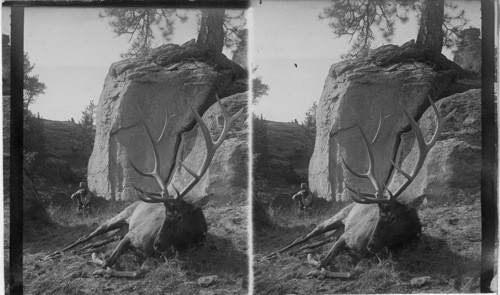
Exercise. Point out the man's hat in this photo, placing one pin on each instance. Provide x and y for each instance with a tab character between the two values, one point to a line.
83	185
303	185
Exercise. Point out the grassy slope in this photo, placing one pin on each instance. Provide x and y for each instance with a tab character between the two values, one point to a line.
61	142
449	252
223	254
285	142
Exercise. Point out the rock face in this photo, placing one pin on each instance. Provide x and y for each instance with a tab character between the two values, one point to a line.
468	54
227	176
159	85
452	169
362	87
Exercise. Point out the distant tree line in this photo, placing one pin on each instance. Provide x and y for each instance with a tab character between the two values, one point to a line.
34	146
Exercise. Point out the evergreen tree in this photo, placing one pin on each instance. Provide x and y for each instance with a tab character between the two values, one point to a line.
259	89
32	85
360	19
260	146
87	126
33	129
309	125
217	28
33	141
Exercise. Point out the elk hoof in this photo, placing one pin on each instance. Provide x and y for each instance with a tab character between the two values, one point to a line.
312	262
99	273
98	261
320	274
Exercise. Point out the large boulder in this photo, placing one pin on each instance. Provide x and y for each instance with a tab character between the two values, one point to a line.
227	176
361	88
452	170
159	85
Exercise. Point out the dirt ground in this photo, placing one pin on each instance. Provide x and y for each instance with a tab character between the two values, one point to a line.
449	252
224	254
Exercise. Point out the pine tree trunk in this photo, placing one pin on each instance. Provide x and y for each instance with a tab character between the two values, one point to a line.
430	33
211	33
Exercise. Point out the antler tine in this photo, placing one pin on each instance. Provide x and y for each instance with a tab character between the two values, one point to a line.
364	198
423	147
210	144
369	174
228	121
165	125
380	122
155	174
153	197
177	194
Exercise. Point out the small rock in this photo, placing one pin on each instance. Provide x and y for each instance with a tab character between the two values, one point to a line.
237	220
420	281
208	281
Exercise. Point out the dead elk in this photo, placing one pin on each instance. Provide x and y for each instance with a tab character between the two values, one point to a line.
160	221
376	220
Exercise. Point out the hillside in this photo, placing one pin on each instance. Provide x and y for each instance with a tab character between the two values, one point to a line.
61	144
285	142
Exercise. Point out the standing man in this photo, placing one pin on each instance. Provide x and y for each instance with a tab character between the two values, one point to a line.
303	199
83	197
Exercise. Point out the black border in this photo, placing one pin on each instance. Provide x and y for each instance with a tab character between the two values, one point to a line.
228	4
16	151
489	160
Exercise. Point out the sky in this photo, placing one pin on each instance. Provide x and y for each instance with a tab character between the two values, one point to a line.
288	33
72	49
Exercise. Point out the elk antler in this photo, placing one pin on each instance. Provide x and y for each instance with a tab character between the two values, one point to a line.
163	196
366	198
378	196
210	144
423	147
155	174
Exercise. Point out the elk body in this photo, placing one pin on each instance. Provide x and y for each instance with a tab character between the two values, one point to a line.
160	221
376	220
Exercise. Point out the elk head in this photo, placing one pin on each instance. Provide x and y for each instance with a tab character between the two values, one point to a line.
397	223
183	223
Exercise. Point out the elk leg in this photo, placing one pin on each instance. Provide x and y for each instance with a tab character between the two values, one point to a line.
334	223
119	250
116	222
323	273
338	247
115	273
146	267
105	264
